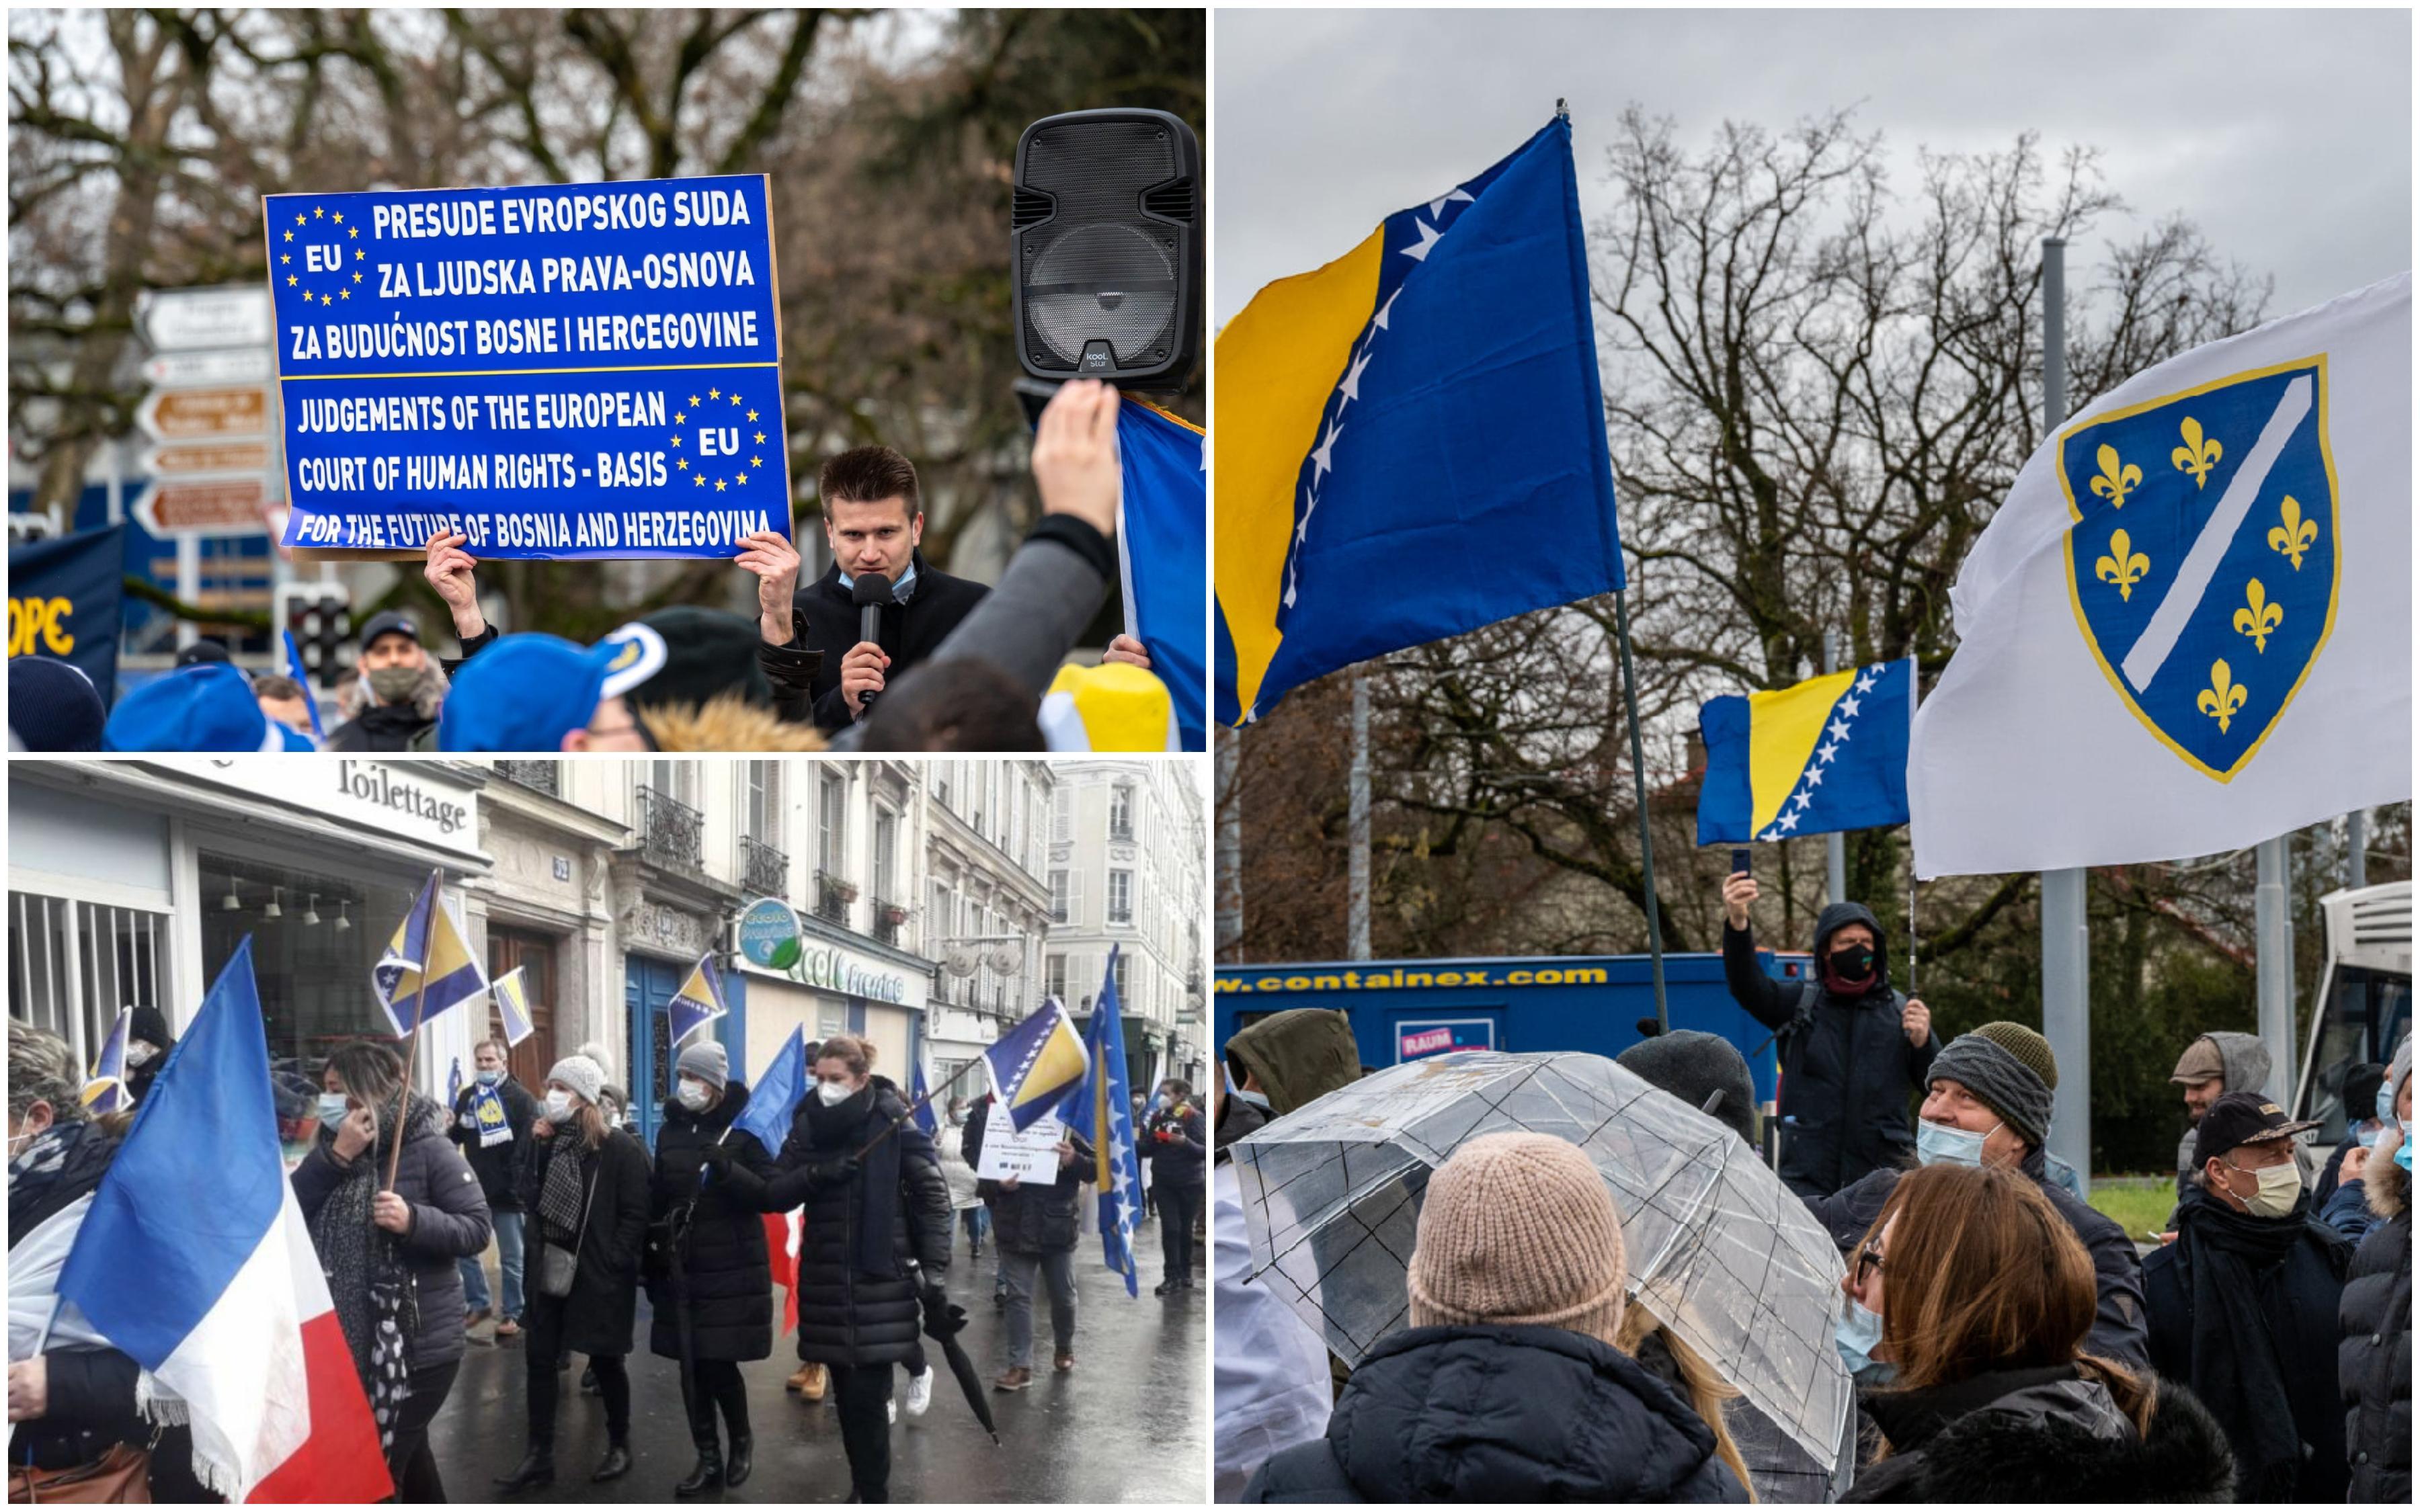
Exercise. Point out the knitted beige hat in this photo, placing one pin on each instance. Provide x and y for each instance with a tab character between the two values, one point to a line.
1519	1227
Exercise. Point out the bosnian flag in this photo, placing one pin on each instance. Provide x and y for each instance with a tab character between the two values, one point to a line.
699	1002
194	1262
105	1092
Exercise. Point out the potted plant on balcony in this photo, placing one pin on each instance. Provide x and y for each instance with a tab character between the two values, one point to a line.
895	915
845	891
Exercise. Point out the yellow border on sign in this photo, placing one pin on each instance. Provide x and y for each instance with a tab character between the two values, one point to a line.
2335	579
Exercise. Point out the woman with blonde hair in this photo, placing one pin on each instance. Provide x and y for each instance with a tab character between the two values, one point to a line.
1985	1297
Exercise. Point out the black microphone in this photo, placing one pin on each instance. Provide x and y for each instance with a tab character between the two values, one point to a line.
869	592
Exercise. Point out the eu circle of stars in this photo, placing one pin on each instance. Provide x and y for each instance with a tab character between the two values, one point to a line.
343	284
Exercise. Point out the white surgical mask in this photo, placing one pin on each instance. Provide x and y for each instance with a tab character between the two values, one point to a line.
694	1095
1940	1144
558	1103
2280	1186
140	1053
834	1093
332	1108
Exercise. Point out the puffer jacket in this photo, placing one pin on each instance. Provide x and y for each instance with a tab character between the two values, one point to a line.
726	1279
862	1239
1848	1072
2029	1437
2373	1357
1490	1413
1299	1056
1031	1219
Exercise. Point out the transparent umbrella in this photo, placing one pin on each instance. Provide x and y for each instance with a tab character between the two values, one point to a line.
1721	1252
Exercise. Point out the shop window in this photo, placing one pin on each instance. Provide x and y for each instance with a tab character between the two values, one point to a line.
72	965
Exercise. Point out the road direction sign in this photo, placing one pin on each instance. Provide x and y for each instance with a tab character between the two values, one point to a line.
189	319
204	506
191	414
187	457
203	369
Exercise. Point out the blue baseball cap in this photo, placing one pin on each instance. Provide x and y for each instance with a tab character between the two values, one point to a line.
206	706
526	692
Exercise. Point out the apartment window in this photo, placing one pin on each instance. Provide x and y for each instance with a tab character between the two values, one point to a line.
1058	895
1121	812
761	801
1062	819
832	814
886	840
1121	897
1054	976
1119	973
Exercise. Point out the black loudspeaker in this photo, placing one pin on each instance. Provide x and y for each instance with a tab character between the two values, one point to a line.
1105	238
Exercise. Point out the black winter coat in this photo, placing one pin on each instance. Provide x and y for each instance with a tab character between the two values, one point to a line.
1847	1069
859	1241
449	1220
2374	1362
1032	1220
598	1316
383	727
1502	1415
1177	1160
496	1166
724	1267
2029	1437
912	632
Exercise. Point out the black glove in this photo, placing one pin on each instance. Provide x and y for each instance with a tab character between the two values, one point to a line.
934	1297
716	1156
833	1170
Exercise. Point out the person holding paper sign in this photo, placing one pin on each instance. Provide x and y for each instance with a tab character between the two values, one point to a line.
1035	1226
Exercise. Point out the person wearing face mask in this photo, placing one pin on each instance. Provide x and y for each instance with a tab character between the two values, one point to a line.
1272	1388
709	1274
1037	1227
401	689
585	1182
2362	1090
1172	1142
1966	1320
391	1250
2374	1346
148	1043
492	1124
1852	1050
2244	1305
876	1209
1988	1102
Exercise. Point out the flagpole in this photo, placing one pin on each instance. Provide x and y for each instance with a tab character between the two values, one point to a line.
1638	783
403	1097
913	1108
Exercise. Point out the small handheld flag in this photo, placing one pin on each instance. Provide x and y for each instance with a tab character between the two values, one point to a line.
699	1002
106	1091
428	966
302	676
1104	1116
1828	755
512	1004
775	1098
921	1093
1035	1065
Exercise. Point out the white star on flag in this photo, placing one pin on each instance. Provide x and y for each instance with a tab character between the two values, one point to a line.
1351	387
1840	729
1849	704
1815	777
1322	456
1788	822
1380	319
1827	752
1429	238
1804	799
1865	683
1436	207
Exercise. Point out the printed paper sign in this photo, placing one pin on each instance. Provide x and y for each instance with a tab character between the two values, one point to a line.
581	370
1028	1156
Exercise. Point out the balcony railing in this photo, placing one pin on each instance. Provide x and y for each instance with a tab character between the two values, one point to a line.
833	895
764	870
1120	832
671	833
539	776
889	920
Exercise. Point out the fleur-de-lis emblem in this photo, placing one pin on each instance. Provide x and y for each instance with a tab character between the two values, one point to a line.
2257	618
2123	565
2117	479
2223	698
2295	535
2197	455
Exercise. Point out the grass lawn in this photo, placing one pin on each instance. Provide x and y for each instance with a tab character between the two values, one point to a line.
2137	1202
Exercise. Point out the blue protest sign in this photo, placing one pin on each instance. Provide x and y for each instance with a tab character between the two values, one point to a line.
572	370
65	600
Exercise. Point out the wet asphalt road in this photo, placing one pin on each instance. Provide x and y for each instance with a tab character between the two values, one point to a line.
1129	1423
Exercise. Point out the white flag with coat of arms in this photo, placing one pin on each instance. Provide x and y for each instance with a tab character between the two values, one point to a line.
2189	627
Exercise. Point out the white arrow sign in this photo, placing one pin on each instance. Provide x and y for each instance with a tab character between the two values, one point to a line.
194	414
185	319
203	369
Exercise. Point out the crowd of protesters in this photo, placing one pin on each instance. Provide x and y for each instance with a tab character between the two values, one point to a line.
2007	1342
953	665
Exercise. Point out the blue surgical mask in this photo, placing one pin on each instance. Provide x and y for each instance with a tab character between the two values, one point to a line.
1258	1099
899	591
2367	1138
2403	1151
2385	1101
489	1078
1859	1333
332	1108
1939	1144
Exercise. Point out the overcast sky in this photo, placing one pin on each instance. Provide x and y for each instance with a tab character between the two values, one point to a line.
2286	135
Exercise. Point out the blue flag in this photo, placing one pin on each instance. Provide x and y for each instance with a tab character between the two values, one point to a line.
1163	553
67	598
1828	755
1104	1115
1391	424
920	1093
428	966
302	676
774	1100
698	1002
454	1083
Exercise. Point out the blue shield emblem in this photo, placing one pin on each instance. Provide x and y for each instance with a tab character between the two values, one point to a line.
2203	558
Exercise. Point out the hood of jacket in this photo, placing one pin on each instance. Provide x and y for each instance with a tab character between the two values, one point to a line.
2246	1057
1830	921
1298	1056
725	724
2058	1441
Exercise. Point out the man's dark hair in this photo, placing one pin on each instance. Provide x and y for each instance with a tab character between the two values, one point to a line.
970	704
867	476
271	685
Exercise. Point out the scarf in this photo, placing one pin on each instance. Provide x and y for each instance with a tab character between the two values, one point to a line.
560	1198
372	1288
34	1172
843	1129
2236	1372
488	1116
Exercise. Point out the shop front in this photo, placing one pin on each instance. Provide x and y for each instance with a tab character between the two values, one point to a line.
830	981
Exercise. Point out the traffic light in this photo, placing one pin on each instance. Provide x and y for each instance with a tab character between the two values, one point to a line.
320	616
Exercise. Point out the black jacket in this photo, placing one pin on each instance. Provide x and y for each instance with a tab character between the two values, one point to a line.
449	1220
1847	1069
2374	1362
597	1316
860	1240
2299	1298
1176	1161
2029	1437
2119	1331
496	1166
828	622
383	727
720	1235
1502	1415
1032	1220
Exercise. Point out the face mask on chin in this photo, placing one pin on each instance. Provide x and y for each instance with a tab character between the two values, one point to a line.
489	1078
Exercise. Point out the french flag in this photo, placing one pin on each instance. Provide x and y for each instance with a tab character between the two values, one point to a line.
196	1263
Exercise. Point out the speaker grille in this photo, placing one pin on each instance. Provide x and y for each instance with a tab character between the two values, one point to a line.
1174	201
1098	271
1028	208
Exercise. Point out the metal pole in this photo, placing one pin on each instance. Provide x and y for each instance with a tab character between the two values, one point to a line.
1230	848
1638	787
2356	871
2067	946
1835	845
2274	972
1356	917
189	585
